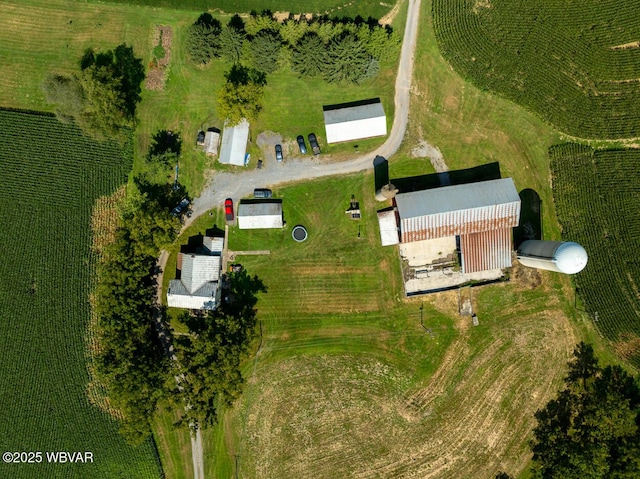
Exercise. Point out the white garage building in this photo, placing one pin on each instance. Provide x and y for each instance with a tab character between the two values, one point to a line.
234	144
354	121
260	214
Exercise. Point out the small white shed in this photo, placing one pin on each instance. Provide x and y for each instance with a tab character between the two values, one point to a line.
211	141
354	121
255	214
234	144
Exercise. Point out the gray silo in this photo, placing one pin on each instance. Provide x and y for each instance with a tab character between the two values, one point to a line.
567	258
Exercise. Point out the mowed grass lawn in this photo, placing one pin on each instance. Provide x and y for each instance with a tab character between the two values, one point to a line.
349	381
40	37
332	8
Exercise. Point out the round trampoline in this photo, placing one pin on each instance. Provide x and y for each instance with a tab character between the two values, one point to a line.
299	233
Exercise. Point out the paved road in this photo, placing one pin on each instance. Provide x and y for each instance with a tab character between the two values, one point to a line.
242	183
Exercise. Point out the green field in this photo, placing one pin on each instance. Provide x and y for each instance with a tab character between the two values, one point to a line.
337	8
52	176
597	193
574	63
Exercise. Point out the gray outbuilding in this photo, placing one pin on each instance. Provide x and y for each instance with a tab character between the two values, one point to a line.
234	144
260	214
354	121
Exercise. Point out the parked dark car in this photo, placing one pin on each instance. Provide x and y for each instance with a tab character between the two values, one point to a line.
278	153
180	207
259	164
228	209
262	193
313	141
301	145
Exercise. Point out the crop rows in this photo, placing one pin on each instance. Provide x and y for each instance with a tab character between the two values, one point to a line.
555	58
51	177
597	193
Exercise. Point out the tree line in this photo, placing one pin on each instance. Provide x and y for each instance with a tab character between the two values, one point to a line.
337	50
129	359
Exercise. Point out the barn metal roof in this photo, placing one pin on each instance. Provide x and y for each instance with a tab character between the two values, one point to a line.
458	210
486	250
347	112
354	121
457	198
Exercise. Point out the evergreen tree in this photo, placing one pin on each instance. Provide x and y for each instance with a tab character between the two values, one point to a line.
265	51
203	39
232	38
309	56
347	60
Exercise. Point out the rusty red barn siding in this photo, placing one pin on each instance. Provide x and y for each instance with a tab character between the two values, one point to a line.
462	222
482	214
486	250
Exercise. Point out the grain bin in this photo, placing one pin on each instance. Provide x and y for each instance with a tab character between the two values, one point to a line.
562	257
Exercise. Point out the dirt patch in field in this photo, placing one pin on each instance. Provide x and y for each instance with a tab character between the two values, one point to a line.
626	46
104	221
159	64
389	17
481	4
354	416
527	278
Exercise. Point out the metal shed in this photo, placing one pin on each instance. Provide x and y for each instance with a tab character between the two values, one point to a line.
259	214
388	227
234	144
211	141
354	121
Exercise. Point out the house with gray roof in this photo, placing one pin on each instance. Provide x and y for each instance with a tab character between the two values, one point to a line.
198	283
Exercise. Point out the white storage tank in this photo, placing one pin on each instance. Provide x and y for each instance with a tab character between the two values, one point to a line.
562	257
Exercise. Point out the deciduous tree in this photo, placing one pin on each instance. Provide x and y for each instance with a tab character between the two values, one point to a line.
241	96
103	96
209	358
591	429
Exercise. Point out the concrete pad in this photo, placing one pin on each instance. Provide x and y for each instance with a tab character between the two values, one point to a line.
420	253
